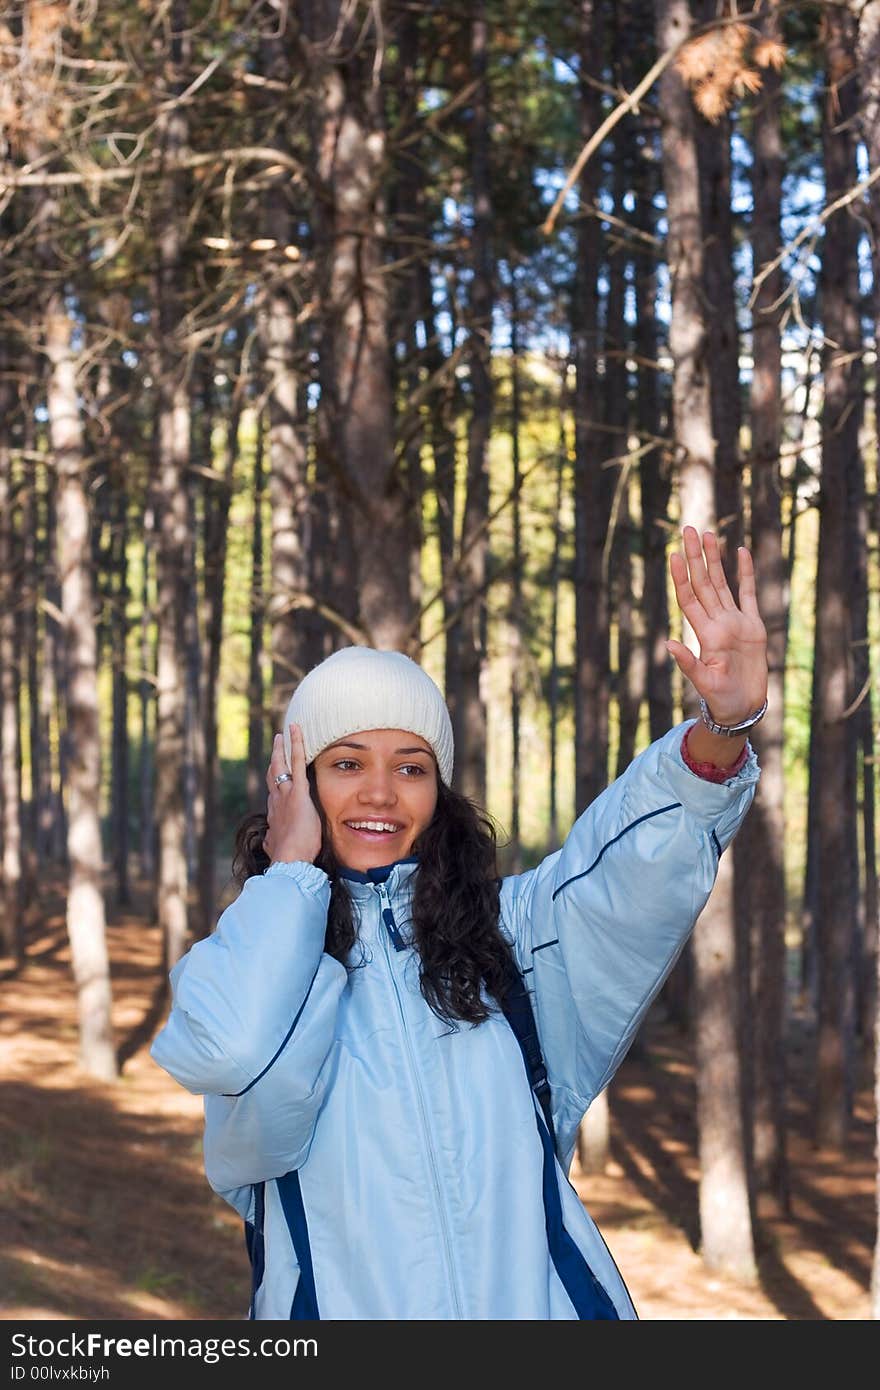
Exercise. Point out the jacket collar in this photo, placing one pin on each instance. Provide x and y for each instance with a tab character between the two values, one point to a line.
394	875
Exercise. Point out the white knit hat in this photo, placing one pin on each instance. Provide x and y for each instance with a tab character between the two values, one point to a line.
361	688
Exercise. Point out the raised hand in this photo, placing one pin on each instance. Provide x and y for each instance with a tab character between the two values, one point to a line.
731	670
294	824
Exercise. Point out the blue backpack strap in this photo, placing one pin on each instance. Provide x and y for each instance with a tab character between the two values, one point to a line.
253	1236
305	1299
517	1009
590	1300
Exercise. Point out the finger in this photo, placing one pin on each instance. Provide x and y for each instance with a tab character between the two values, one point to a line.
276	762
688	602
699	574
297	753
684	658
716	571
748	598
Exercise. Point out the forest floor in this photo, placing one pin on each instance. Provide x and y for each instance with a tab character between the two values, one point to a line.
106	1213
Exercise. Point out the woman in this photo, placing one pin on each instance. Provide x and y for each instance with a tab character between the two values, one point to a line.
367	1107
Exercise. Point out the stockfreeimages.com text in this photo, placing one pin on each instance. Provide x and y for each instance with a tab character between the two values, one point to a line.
207	1349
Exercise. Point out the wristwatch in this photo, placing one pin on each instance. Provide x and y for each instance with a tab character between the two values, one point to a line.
730	730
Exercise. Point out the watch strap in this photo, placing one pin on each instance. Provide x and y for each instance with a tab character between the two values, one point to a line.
730	730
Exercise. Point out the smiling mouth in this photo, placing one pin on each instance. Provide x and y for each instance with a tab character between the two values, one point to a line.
374	830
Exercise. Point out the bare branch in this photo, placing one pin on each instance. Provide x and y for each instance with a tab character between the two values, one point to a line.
630	102
810	231
153	164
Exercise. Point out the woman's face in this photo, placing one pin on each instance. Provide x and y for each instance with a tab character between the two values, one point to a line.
370	781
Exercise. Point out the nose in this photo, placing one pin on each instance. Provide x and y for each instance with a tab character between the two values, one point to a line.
378	789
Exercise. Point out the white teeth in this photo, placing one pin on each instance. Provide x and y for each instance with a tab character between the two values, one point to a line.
372	825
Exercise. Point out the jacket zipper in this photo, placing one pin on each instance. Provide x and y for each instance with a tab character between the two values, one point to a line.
388	919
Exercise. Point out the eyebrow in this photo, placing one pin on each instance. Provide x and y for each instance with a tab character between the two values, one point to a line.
345	743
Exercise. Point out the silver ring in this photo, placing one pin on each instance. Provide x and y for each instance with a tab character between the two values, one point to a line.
283	777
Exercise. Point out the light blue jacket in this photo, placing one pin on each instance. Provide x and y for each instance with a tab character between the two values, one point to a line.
400	1168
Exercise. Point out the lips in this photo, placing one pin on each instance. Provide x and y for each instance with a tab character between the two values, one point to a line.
374	835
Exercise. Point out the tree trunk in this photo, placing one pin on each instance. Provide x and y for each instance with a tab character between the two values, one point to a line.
869	80
256	756
85	901
760	845
553	835
147	695
173	516
443	402
593	496
470	727
516	618
39	672
809	964
54	681
869	65
351	154
713	149
655	468
688	337
725	1219
408	191
120	799
30	639
194	714
287	461
632	662
861	734
592	484
714	160
628	687
875	1275
11	907
217	499
594	1136
835	768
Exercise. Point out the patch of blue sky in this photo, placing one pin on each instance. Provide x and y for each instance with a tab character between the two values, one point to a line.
803	200
452	212
803	195
564	70
742	283
443	322
663	302
740	182
866	272
549	182
606	200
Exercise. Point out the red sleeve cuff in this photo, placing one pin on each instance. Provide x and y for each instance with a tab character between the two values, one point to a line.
710	772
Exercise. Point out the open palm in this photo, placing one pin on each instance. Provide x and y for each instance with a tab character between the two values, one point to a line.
731	670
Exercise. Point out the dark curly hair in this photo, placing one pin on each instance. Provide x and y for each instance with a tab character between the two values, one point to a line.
455	908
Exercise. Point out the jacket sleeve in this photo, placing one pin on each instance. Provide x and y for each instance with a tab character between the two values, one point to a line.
599	924
252	1025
